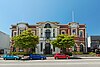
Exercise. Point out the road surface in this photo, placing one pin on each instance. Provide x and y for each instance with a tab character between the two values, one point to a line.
51	63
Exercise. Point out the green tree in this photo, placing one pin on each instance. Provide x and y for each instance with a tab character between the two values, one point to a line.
26	40
63	41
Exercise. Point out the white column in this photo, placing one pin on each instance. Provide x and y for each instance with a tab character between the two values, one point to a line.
52	48
37	49
39	32
18	30
43	46
52	32
43	32
56	31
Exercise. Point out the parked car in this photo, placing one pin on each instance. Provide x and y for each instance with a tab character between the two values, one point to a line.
37	57
25	58
10	57
61	56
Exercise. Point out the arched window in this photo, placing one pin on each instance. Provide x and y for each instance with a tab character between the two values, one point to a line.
21	31
47	33
74	31
41	46
75	48
81	48
41	32
53	32
63	32
81	33
21	27
47	25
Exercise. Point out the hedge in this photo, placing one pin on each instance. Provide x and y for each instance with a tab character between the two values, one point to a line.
19	53
77	53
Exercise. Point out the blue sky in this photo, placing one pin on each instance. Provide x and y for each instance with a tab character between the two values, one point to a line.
32	11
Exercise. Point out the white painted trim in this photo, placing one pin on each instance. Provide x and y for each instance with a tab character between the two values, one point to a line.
14	32
81	28
63	31
82	44
82	33
72	31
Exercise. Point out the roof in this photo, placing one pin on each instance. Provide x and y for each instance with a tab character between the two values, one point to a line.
95	37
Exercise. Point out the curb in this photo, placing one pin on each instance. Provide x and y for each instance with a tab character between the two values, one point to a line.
90	57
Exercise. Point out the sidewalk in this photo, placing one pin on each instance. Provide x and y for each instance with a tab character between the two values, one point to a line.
87	56
52	58
90	57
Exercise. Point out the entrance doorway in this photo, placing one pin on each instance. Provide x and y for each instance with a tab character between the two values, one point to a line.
48	48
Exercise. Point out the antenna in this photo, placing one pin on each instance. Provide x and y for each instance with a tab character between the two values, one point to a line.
73	16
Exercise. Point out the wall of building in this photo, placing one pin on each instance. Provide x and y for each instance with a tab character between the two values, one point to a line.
4	42
39	29
93	43
89	41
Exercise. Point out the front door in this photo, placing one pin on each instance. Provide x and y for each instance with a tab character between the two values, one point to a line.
47	48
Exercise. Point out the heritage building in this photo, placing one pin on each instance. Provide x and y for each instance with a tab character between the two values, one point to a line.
48	31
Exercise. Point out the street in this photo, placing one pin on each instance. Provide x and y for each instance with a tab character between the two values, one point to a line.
53	63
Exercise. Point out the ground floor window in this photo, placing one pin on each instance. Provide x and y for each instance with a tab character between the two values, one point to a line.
1	51
75	48
54	48
41	45
81	48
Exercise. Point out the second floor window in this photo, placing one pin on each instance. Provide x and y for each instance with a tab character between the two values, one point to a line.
41	46
47	33
21	31
14	34
53	32
80	33
74	31
63	32
41	33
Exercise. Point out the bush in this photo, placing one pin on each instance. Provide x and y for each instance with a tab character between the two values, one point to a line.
77	53
69	53
92	54
86	53
20	53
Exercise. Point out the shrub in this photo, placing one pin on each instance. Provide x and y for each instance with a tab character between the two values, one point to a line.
19	53
85	52
92	54
77	53
69	53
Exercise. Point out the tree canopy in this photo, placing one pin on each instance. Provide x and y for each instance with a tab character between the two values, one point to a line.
26	40
63	41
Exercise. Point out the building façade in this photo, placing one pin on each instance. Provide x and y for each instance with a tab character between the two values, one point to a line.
48	31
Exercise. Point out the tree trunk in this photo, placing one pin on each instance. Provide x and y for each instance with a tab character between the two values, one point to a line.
63	50
26	50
